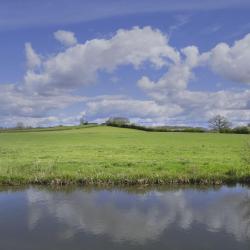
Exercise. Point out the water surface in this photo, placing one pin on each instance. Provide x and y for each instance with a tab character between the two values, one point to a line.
153	218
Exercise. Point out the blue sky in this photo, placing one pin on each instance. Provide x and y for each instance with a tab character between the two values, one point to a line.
156	62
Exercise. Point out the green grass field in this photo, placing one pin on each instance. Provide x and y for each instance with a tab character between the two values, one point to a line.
97	155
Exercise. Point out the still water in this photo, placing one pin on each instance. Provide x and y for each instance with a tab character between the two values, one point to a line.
153	218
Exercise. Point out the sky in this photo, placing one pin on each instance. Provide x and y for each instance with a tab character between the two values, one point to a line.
157	62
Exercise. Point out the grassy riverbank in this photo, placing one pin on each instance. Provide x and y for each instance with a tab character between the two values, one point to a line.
101	154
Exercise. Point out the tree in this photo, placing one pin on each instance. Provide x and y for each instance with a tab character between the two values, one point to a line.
117	121
219	123
83	121
20	125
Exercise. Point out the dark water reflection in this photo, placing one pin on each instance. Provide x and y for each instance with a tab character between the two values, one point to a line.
181	218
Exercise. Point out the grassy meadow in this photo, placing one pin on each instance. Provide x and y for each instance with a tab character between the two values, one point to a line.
101	154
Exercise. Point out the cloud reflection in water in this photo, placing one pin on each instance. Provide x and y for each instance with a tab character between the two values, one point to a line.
145	216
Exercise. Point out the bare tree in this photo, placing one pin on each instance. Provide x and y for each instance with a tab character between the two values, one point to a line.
219	123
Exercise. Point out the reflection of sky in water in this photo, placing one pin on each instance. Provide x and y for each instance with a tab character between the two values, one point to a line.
140	217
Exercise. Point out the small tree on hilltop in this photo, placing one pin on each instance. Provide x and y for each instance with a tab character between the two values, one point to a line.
83	121
20	125
219	123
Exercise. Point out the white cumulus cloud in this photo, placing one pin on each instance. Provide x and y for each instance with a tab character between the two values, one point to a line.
50	82
33	59
78	65
67	38
232	62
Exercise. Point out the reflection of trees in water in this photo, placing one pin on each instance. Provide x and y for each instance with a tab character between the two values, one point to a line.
141	217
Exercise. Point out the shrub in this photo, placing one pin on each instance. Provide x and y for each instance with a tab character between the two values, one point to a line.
241	130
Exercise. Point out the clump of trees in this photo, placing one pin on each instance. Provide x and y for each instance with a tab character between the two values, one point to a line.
241	130
117	121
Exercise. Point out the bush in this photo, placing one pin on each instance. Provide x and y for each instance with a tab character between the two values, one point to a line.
241	130
226	130
198	130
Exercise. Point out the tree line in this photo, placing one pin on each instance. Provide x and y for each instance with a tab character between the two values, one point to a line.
217	123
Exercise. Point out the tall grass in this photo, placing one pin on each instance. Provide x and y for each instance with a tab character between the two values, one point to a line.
246	154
